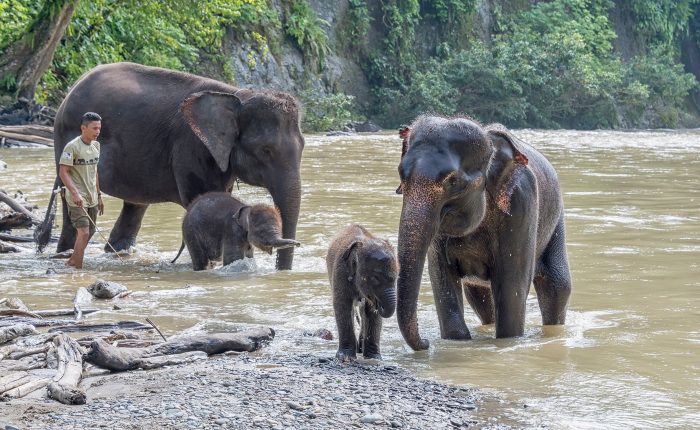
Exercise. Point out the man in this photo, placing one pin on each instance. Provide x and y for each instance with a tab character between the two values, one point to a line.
78	172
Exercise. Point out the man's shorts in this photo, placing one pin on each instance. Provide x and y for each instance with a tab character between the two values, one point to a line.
78	217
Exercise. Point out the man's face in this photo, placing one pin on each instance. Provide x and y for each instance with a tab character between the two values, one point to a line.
91	130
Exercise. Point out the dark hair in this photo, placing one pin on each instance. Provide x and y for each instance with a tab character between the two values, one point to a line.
90	117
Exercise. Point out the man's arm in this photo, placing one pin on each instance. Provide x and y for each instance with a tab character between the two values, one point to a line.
100	205
64	174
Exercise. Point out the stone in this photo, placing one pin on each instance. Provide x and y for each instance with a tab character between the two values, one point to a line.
372	419
105	289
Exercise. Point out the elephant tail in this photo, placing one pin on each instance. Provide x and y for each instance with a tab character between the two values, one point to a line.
178	252
42	232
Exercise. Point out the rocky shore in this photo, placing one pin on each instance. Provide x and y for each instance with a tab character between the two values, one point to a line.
261	390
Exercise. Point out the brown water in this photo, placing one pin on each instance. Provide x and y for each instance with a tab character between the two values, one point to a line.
627	358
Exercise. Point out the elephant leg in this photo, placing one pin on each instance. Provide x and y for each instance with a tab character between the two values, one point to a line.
199	257
447	290
481	300
370	332
126	228
68	233
553	279
513	269
347	342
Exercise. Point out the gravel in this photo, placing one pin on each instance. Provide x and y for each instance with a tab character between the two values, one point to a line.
262	391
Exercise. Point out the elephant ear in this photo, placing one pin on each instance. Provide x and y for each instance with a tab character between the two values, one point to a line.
404	134
213	117
507	165
242	218
350	258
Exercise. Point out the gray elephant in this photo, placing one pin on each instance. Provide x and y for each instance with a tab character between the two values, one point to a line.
218	224
362	270
169	136
487	211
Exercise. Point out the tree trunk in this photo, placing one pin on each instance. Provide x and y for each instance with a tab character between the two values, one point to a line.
26	60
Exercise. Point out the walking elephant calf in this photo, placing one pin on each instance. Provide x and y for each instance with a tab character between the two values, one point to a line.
216	223
362	270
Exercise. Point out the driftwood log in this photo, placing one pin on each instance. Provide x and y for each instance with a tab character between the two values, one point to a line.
15	220
45	131
63	312
17	239
120	325
6	248
17	207
64	387
109	357
14	331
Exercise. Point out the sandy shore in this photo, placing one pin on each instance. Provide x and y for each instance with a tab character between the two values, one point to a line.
260	390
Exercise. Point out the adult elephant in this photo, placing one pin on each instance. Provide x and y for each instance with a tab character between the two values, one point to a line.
169	136
487	211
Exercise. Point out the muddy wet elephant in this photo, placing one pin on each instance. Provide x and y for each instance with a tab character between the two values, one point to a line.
362	271
487	211
169	136
217	224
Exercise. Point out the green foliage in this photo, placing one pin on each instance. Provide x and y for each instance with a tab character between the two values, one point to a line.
355	27
172	34
305	28
326	113
16	16
662	21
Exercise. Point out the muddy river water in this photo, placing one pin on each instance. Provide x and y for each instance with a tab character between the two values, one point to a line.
628	356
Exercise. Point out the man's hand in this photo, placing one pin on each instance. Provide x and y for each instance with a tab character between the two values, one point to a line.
77	199
100	205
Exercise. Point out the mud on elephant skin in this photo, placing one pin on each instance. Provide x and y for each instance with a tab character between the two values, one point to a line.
169	136
218	224
362	270
486	210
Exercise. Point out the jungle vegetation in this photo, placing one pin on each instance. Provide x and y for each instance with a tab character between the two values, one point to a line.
551	64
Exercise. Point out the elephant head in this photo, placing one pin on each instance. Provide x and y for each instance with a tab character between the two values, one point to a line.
256	137
453	173
374	268
264	227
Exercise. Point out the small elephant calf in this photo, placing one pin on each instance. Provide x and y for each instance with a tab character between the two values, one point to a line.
218	223
362	270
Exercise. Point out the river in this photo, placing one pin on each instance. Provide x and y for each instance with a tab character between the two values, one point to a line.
627	357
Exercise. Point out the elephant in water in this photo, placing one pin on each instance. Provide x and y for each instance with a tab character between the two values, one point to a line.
486	210
217	223
362	270
169	136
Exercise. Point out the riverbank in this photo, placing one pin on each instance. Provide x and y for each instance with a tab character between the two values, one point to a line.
262	390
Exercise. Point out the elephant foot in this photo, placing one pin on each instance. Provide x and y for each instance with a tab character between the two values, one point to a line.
346	355
457	335
372	355
120	244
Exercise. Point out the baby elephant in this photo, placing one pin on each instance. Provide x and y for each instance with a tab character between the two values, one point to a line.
362	270
218	223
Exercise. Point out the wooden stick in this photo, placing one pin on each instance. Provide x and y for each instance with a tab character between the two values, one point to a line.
13	380
27	352
12	203
148	320
45	131
18	312
63	312
27	138
15	331
25	389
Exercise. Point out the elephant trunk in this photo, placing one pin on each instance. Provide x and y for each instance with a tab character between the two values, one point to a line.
287	197
416	230
386	303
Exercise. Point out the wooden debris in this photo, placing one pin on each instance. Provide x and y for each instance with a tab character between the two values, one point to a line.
15	220
25	389
13	380
15	303
6	248
26	138
16	355
45	131
170	360
18	312
109	357
120	325
64	387
15	331
63	312
17	207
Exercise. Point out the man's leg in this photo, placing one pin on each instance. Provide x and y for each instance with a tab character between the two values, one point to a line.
81	240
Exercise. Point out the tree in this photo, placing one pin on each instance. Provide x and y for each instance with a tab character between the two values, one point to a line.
24	61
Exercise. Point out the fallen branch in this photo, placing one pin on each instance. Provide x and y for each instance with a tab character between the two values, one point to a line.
15	220
18	313
15	303
148	320
25	389
13	380
109	357
64	387
27	138
45	131
16	355
171	360
120	325
15	331
17	207
37	361
7	248
63	312
16	239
